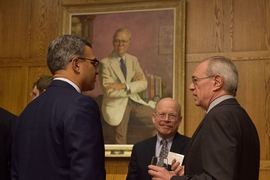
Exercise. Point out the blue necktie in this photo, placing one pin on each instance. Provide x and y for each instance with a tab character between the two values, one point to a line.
123	67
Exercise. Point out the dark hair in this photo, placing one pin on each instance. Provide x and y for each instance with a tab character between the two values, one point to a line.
43	82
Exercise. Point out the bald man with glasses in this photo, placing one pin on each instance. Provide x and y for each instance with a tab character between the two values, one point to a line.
226	144
166	119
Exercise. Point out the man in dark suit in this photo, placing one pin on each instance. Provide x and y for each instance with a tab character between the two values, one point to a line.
225	144
7	120
59	135
166	118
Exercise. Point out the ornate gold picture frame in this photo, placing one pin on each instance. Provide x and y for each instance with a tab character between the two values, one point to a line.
163	55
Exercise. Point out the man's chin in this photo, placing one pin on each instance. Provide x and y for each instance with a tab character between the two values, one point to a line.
120	53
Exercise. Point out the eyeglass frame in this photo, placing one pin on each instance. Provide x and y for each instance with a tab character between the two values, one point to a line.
195	79
94	62
163	116
117	41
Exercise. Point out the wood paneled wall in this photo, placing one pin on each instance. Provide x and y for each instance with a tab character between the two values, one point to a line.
237	29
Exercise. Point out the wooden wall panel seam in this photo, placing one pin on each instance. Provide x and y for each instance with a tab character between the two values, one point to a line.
235	56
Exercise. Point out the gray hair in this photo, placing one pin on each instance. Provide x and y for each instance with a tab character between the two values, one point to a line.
63	49
122	30
224	67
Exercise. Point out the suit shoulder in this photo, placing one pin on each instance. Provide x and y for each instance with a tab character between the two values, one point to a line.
144	142
185	137
73	97
7	116
86	99
181	137
131	56
104	60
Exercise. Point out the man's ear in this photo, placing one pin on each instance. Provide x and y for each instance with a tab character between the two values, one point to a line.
75	64
218	81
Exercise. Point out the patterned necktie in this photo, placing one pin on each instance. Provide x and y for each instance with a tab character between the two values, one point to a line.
123	67
163	153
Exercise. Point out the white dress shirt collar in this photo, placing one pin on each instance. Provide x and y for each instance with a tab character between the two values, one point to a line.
119	58
159	144
218	100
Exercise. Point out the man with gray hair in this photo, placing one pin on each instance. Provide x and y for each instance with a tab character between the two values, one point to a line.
59	135
226	143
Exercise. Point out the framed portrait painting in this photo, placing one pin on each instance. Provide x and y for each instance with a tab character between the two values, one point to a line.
158	41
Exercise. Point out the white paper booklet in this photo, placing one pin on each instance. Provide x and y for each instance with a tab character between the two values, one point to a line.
178	157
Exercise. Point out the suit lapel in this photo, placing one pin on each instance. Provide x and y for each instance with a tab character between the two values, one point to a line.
151	148
177	146
129	65
194	135
116	68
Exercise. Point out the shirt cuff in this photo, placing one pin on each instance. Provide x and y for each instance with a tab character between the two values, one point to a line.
127	87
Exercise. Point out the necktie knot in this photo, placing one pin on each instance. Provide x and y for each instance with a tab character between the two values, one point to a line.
164	142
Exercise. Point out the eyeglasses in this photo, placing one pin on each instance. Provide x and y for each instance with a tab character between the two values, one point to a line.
196	79
117	41
171	117
95	62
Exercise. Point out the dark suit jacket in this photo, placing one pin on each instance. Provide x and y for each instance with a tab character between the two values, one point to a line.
59	137
225	146
143	152
6	127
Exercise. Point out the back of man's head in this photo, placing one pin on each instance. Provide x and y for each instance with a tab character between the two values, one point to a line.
63	49
43	83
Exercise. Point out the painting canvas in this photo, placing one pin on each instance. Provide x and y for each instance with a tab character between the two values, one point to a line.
154	42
